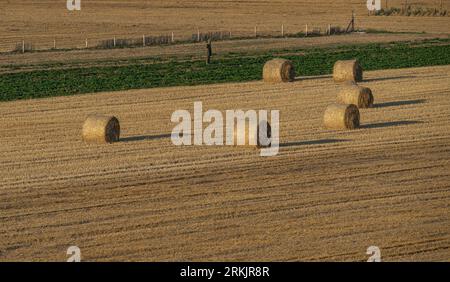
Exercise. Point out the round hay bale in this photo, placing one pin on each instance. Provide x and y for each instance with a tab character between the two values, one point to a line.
351	93
278	70
101	129
252	135
339	116
349	70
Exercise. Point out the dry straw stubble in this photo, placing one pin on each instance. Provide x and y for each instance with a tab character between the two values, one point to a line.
351	93
340	116
101	129
278	70
349	70
250	134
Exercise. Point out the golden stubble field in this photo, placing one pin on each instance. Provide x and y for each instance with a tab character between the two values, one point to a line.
328	195
40	22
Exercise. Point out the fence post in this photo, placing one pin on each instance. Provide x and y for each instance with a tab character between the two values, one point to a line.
143	40
173	37
256	31
114	41
329	29
23	46
198	34
306	30
54	43
86	43
282	30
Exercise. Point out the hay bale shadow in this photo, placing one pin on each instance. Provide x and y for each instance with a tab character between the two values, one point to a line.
389	78
390	124
144	138
313	77
313	142
400	103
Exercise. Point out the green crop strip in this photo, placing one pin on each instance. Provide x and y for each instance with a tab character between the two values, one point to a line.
232	68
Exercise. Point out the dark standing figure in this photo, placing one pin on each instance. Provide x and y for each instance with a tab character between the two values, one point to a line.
209	50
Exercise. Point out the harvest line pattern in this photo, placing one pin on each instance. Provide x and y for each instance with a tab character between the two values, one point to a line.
149	200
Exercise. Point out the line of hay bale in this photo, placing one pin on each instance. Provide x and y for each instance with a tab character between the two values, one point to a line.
101	129
341	116
351	97
351	93
348	70
345	113
279	70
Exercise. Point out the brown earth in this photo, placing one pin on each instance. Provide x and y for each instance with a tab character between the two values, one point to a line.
328	195
40	22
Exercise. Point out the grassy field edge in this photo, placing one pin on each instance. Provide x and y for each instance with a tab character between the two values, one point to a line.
231	68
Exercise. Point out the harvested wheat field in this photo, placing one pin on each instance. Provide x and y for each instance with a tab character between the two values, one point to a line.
42	22
328	195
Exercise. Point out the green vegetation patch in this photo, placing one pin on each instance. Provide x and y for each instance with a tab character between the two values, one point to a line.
248	67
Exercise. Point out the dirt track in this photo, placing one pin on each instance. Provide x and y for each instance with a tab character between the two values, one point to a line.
40	22
182	51
328	195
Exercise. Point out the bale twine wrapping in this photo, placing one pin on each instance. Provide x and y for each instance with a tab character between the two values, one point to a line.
252	135
101	129
351	93
349	70
278	70
339	116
